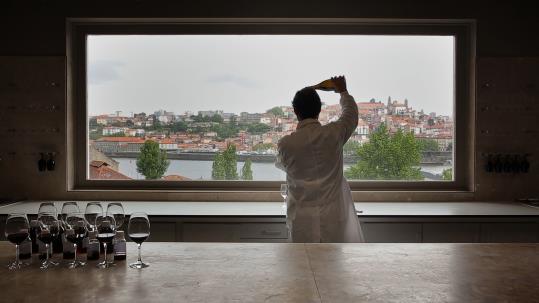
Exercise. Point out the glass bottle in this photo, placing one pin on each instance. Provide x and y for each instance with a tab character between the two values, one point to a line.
92	249
326	85
42	250
58	242
25	249
33	236
120	246
68	248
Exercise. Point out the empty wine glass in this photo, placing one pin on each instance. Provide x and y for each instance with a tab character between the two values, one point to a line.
47	207
75	233
16	231
138	230
106	229
67	208
92	210
47	230
284	194
117	211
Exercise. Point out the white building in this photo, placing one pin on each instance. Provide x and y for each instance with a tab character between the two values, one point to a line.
113	130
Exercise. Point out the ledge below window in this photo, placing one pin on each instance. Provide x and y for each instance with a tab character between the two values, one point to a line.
274	209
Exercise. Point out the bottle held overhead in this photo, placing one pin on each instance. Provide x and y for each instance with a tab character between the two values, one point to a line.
326	85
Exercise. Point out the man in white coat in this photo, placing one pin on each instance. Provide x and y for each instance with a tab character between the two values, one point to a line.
320	206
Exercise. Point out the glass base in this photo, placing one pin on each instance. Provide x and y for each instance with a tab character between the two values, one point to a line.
104	264
139	264
76	264
14	265
48	264
54	263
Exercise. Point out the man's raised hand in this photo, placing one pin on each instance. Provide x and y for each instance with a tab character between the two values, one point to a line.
339	83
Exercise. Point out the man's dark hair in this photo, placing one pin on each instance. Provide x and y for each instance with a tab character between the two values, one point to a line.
307	103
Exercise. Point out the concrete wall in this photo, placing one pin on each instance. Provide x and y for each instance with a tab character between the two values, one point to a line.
32	85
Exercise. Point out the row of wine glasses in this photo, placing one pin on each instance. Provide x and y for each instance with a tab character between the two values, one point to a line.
76	225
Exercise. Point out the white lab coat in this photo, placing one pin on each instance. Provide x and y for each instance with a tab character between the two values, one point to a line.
320	206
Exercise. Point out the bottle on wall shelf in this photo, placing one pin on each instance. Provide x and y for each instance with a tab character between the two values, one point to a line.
92	249
120	247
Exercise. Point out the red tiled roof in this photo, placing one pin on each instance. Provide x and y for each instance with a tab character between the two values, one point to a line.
100	170
369	105
167	141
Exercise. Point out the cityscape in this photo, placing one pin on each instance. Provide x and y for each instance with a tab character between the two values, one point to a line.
199	136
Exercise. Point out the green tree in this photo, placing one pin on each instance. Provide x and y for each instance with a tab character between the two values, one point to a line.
276	111
152	162
216	118
179	126
120	134
387	157
156	125
225	131
427	145
218	167
225	164
260	147
231	162
350	147
246	171
258	128
447	174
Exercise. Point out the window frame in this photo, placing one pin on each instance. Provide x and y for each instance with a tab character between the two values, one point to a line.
77	118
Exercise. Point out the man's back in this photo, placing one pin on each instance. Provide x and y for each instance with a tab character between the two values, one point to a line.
319	199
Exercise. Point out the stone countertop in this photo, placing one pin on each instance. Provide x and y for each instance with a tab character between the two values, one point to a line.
289	272
398	209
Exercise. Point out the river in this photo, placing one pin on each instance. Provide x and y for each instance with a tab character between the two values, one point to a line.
201	170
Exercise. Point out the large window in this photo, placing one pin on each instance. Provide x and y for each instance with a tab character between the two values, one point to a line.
204	106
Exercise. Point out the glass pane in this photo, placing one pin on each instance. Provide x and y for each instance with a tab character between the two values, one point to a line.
213	107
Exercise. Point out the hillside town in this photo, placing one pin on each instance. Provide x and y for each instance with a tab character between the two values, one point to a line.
252	133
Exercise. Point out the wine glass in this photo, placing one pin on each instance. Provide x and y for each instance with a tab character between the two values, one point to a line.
75	233
284	194
47	207
138	230
16	231
67	208
93	209
106	229
117	211
47	230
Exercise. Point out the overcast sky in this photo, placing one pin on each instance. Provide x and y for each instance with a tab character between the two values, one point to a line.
238	73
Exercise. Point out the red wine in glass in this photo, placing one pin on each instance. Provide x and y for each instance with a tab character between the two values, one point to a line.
139	237
45	236
105	234
16	230
18	237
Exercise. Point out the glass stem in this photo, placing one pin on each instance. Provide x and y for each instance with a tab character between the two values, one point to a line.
75	246
16	255
105	246
139	257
